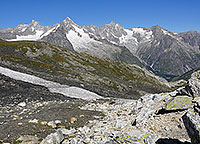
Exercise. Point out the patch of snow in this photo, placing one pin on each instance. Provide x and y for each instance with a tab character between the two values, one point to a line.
79	38
29	37
32	28
152	65
51	30
93	29
129	41
23	29
73	92
174	35
22	104
125	38
76	92
143	33
165	32
26	77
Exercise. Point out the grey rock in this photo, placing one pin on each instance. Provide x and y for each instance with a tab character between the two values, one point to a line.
194	84
178	103
53	138
28	139
66	132
192	37
192	123
147	106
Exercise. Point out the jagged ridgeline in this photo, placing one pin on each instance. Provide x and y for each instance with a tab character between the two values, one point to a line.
65	66
168	54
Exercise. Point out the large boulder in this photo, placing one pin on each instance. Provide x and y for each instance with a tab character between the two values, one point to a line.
149	105
192	123
178	103
194	84
53	138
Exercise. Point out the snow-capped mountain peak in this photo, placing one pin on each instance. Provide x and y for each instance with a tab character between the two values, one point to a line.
34	23
68	20
31	31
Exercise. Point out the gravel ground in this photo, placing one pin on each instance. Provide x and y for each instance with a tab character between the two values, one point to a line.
23	106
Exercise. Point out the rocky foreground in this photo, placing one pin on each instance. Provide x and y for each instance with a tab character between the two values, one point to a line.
165	118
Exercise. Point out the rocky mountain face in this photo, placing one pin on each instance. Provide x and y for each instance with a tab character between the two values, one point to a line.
106	78
167	53
191	37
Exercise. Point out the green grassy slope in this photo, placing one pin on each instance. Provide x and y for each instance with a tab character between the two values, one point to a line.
104	77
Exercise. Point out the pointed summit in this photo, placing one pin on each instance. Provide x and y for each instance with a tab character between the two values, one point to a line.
112	23
157	26
67	19
34	22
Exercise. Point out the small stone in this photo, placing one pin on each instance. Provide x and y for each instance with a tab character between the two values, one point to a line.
196	98
72	135
66	131
19	124
57	122
28	139
15	117
22	104
61	126
51	124
43	123
166	128
73	119
35	121
81	116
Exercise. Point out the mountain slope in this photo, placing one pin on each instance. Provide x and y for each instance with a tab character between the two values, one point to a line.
185	76
61	65
168	54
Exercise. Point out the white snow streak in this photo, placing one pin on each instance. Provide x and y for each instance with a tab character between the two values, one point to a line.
51	30
129	36
73	92
79	38
29	37
144	33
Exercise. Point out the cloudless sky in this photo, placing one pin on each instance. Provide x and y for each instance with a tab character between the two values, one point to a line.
174	15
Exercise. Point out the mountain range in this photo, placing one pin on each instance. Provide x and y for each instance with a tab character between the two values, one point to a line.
166	53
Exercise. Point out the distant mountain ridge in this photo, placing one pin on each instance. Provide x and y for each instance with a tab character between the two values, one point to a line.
168	53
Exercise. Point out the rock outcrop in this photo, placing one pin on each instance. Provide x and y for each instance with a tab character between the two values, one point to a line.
54	138
194	84
192	123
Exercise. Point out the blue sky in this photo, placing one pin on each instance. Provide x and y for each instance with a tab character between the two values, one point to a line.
174	15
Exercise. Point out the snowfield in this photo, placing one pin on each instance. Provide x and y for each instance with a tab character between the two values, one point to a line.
73	92
29	37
